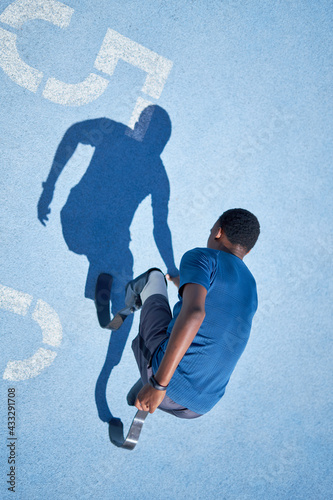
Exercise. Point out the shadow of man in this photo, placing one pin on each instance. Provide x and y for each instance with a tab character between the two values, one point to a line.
125	168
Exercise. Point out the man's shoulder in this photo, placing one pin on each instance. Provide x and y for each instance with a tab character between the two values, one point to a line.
217	259
201	257
209	253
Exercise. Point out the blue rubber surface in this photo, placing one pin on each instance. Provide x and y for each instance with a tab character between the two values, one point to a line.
248	89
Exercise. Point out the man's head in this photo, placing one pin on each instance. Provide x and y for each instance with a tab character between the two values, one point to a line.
236	231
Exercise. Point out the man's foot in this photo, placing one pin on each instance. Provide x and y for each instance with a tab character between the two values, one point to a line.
133	393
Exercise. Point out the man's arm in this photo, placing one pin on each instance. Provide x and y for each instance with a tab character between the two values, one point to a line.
184	330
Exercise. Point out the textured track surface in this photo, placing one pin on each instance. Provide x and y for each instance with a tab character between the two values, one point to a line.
248	89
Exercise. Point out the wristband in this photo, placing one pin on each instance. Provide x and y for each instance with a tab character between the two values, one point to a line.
156	385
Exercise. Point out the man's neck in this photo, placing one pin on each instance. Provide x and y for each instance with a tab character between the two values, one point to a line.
234	250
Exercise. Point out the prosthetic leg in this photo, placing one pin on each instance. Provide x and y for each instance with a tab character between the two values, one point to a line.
133	300
136	293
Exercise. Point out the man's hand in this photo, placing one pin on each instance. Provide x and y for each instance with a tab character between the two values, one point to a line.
175	279
149	398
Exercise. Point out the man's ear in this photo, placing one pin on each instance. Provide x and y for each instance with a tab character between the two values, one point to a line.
219	233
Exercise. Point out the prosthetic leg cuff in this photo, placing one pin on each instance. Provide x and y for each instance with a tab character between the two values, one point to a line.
156	284
145	285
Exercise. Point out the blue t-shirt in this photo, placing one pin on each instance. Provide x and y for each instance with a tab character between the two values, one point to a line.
201	377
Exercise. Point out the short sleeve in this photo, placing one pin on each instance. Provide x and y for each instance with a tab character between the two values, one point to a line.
196	266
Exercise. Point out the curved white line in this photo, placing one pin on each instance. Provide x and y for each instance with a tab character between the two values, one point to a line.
30	367
17	70
75	94
14	301
21	11
49	323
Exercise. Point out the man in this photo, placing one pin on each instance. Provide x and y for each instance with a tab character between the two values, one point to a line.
186	361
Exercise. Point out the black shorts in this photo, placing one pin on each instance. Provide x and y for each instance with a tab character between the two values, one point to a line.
154	320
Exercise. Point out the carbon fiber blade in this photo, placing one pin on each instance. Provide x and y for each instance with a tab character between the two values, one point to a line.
116	431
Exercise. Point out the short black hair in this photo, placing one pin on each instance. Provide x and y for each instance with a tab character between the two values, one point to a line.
241	227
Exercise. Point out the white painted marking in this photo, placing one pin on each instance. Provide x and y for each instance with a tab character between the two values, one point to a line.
49	322
14	301
21	11
76	94
116	46
17	70
141	127
140	105
31	367
16	14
